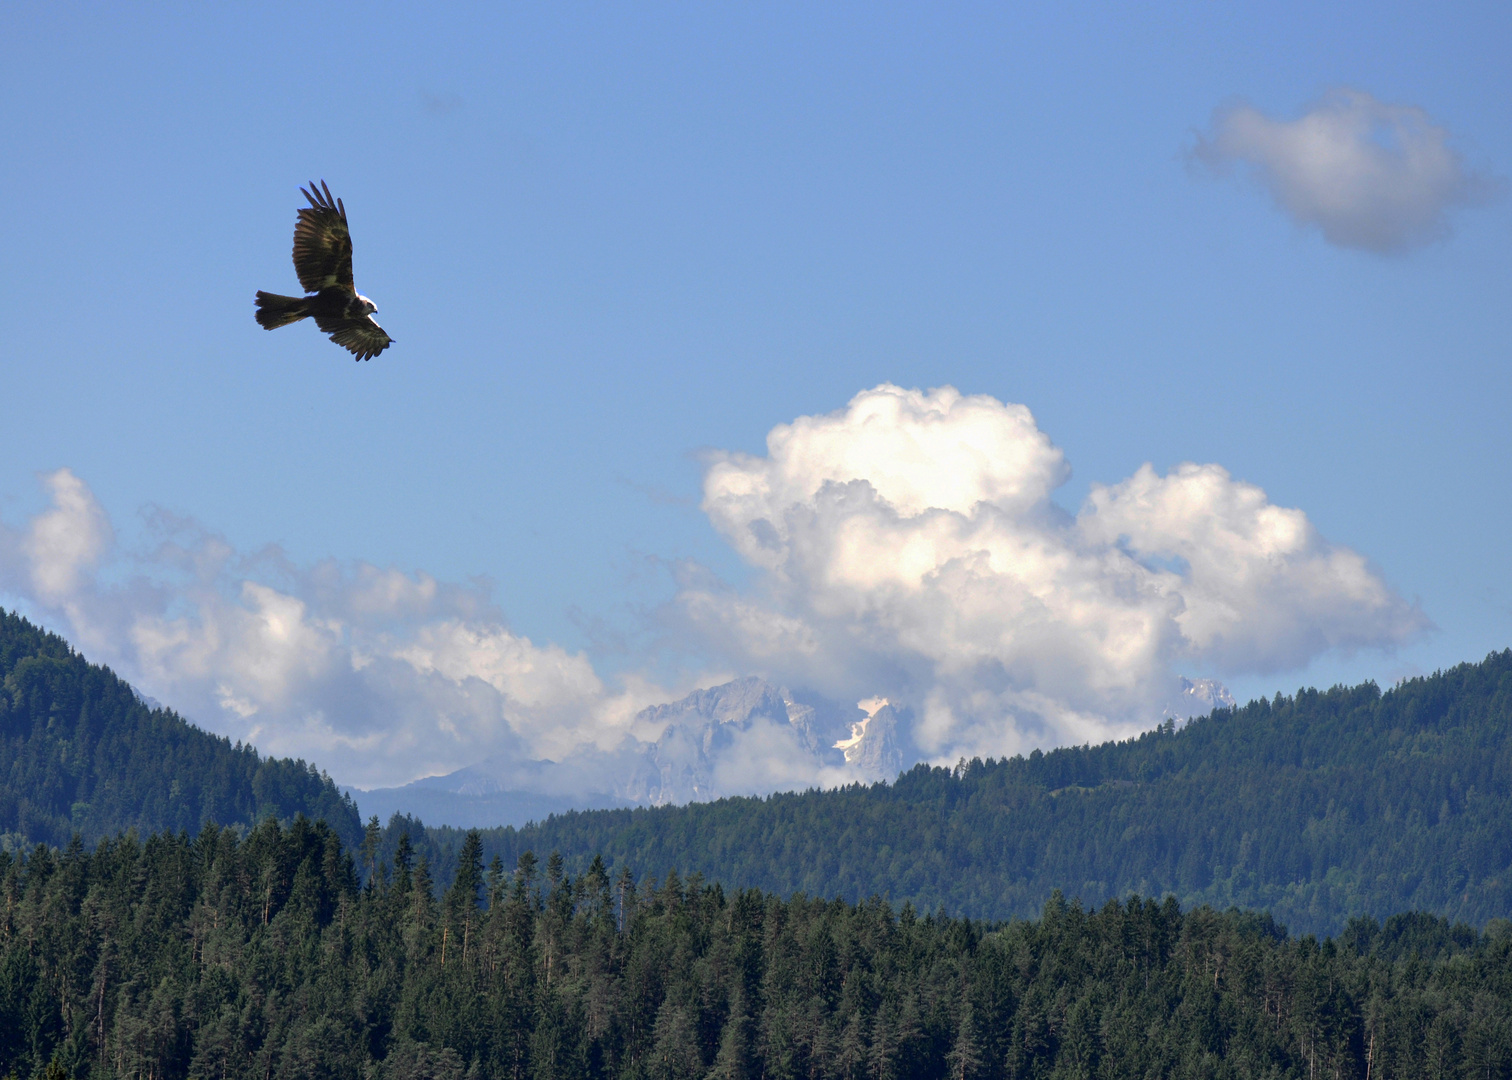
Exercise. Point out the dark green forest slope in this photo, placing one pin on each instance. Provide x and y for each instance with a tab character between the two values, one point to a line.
79	752
1317	807
263	959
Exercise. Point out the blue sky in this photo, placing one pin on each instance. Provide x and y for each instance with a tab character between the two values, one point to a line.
615	241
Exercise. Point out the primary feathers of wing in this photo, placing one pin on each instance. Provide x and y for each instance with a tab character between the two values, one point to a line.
364	337
322	244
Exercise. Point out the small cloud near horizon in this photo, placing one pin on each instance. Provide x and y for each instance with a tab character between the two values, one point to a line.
1368	175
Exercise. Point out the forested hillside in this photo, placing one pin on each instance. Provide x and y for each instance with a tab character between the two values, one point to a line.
265	959
1316	807
79	752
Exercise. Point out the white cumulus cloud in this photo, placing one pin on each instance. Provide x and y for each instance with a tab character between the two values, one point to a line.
908	546
1367	174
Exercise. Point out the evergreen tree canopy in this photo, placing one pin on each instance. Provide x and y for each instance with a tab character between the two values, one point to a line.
263	958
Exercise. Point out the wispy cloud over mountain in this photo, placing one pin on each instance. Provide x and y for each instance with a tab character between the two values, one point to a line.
378	675
1367	174
905	548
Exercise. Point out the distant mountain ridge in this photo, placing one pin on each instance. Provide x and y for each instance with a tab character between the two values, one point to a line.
81	751
1317	807
745	737
748	736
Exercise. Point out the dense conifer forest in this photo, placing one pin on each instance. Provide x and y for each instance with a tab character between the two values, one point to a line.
1317	807
81	753
263	957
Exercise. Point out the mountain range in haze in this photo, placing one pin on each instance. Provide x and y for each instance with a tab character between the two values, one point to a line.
746	737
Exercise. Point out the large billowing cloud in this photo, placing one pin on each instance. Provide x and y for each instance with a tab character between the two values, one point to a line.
378	675
1366	174
908	546
905	547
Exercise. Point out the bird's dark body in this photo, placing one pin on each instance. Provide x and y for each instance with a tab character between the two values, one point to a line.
323	261
334	305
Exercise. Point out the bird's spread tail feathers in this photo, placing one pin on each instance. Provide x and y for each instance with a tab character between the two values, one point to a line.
274	311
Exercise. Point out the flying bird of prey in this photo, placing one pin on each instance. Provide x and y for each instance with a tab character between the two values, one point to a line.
323	261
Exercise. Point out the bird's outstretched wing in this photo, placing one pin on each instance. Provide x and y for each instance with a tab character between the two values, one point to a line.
322	244
364	337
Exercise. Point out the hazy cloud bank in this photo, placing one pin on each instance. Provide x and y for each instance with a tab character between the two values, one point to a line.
377	675
906	547
1365	173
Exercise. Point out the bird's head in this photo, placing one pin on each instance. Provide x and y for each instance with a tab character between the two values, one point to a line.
368	307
